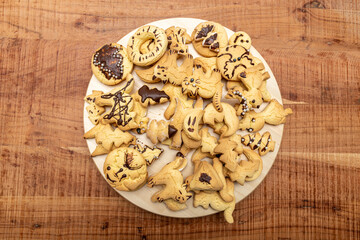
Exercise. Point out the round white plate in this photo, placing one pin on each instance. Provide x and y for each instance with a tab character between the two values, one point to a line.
142	196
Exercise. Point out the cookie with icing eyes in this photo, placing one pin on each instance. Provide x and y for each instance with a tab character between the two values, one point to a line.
205	81
234	59
191	123
208	38
142	35
125	169
240	38
111	64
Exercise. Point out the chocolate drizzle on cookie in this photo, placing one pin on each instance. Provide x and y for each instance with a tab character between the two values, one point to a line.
154	94
204	178
128	159
204	32
120	108
109	61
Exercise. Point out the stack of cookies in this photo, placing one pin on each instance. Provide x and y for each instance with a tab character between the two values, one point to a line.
121	114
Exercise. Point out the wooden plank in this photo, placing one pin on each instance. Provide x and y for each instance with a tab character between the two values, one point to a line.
49	186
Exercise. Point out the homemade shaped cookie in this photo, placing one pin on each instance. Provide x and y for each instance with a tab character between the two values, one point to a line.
240	38
149	153
191	123
228	116
142	35
247	170
171	177
167	70
110	64
205	177
205	81
178	38
176	97
125	169
255	141
159	131
208	38
140	121
274	114
152	96
213	199
233	60
178	121
122	104
107	138
208	142
230	151
224	192
250	96
94	110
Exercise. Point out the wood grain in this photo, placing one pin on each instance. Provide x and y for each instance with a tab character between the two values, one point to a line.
49	186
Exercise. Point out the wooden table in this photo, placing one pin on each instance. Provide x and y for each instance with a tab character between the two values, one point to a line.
51	189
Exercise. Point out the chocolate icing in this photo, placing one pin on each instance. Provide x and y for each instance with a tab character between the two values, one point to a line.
109	58
120	109
179	154
210	40
204	31
171	131
153	93
204	178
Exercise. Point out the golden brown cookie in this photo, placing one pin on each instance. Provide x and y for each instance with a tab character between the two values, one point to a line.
205	81
240	38
172	179
274	114
247	170
228	116
208	38
108	138
178	38
234	59
142	35
125	169
159	131
213	199
263	142
110	64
